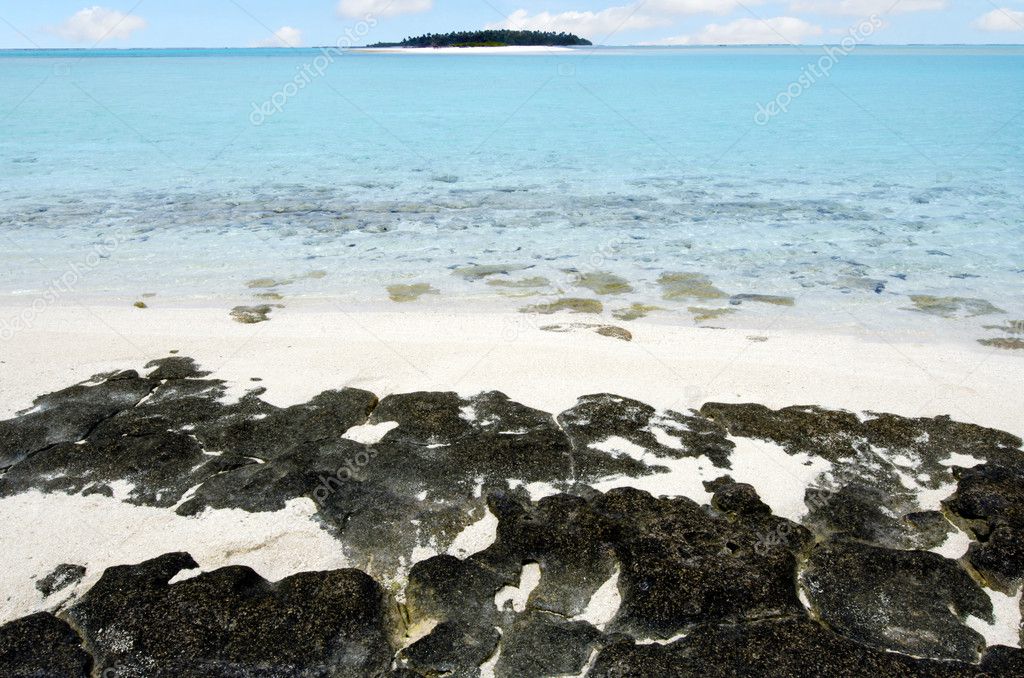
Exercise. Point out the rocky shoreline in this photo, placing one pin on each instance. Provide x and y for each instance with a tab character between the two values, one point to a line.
579	573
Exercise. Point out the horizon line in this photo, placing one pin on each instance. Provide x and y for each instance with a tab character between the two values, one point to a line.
580	47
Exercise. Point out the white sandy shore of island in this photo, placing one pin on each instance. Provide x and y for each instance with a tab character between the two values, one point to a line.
507	49
302	352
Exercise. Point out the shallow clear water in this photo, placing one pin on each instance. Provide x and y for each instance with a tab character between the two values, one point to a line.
899	174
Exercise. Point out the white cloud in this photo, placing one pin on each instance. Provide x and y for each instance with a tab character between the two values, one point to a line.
594	25
780	30
97	24
695	6
597	25
866	8
285	36
1002	20
382	8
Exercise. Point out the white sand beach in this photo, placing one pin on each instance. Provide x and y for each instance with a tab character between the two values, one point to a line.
505	49
300	353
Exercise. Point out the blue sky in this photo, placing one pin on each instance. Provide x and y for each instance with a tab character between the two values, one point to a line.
241	23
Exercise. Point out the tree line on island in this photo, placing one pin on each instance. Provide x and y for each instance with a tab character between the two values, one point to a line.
490	38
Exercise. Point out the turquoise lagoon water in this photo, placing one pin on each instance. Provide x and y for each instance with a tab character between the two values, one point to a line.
188	173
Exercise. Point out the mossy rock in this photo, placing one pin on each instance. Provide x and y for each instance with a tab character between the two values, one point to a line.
738	299
702	315
1011	343
951	307
1011	327
266	283
405	293
602	283
481	271
250	315
571	304
517	289
604	330
676	286
635	311
523	283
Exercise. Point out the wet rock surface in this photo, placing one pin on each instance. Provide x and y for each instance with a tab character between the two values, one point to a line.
42	645
779	648
69	415
233	622
989	504
880	465
63	576
251	315
574	582
914	601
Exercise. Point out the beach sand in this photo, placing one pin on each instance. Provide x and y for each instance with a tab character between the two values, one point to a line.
506	50
301	352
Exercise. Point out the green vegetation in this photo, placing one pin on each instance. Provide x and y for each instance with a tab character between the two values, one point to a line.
494	38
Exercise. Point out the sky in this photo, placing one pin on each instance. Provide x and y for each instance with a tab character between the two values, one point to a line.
299	23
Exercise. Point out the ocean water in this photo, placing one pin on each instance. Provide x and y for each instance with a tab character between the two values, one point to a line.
185	174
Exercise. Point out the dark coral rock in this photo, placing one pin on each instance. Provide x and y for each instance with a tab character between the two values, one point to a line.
726	574
683	565
454	451
776	648
424	418
596	418
231	622
929	529
543	644
679	564
63	576
42	646
459	594
272	432
487	435
831	434
739	498
175	367
860	512
930	441
913	602
451	649
1000	660
158	466
567	537
150	443
841	436
989	503
68	416
445	588
866	497
312	471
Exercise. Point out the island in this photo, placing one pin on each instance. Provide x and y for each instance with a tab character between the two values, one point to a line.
490	38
